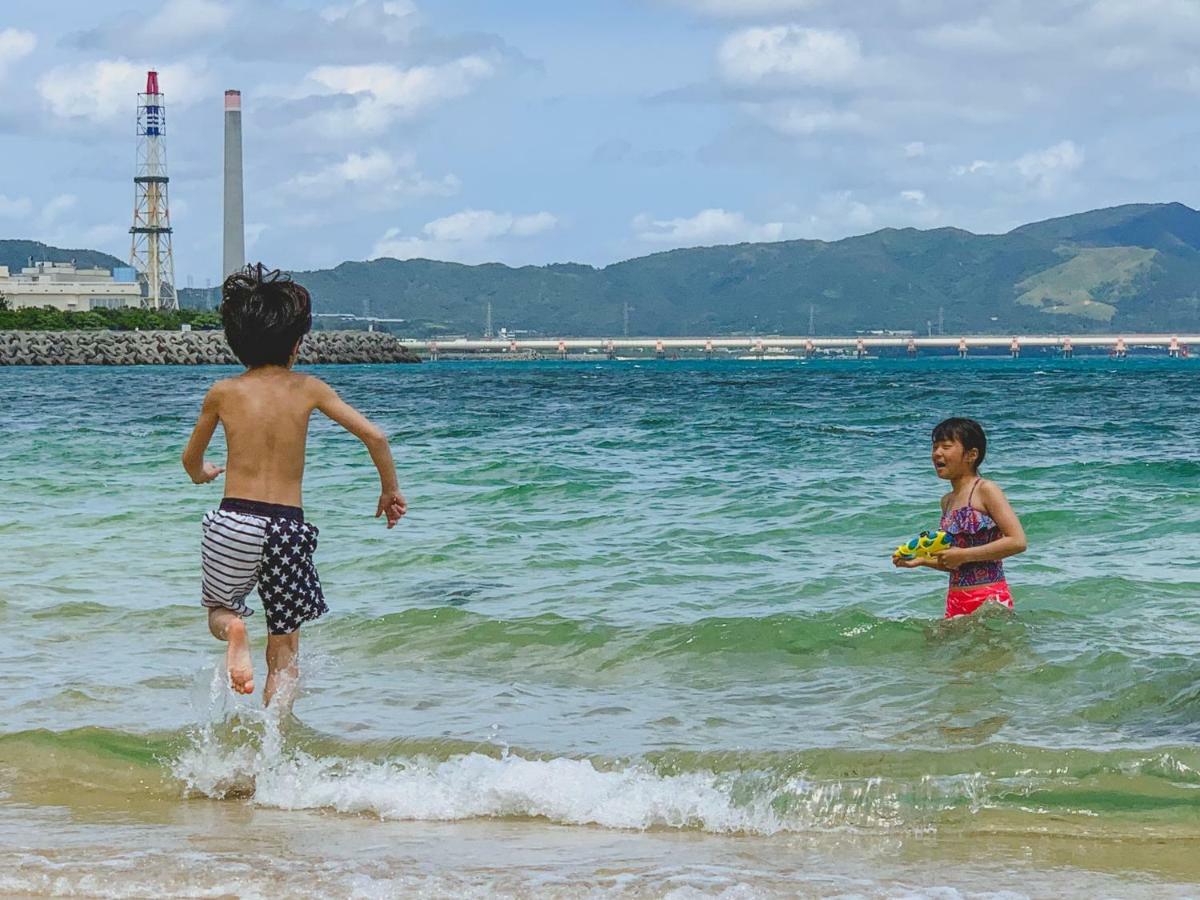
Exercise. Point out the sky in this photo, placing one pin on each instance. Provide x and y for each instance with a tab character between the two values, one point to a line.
531	131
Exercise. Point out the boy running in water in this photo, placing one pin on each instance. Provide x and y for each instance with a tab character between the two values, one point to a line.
259	534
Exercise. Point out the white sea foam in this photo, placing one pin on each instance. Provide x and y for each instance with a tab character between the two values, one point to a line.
465	786
564	790
474	785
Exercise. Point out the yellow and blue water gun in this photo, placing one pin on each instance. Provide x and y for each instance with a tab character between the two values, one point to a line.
926	544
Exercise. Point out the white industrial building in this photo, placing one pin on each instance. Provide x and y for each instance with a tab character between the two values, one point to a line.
63	286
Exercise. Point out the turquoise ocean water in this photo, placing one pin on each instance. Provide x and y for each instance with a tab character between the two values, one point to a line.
639	634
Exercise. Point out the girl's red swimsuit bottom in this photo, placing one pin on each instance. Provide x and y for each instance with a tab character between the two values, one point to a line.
962	601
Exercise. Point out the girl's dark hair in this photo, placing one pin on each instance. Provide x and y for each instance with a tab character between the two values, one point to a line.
967	432
264	313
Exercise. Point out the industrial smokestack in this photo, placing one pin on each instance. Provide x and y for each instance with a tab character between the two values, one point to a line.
234	257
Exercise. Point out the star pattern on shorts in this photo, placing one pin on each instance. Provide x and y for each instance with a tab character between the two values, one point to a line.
289	586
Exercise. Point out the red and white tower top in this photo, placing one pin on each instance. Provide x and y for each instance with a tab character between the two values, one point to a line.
150	251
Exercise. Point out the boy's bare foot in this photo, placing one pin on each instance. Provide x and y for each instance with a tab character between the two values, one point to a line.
237	658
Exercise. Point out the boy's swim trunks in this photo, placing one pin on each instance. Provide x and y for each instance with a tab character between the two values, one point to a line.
246	541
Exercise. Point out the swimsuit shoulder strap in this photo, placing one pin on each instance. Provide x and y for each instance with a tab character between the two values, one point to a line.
971	496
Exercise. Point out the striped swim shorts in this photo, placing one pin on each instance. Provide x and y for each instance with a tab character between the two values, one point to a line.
247	542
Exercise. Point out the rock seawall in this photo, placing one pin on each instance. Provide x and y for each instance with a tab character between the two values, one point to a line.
183	348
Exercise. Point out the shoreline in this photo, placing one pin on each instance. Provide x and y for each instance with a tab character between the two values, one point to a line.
184	348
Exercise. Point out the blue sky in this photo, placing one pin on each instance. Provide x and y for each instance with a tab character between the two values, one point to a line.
532	132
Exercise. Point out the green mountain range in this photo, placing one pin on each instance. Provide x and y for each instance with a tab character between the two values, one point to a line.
1128	268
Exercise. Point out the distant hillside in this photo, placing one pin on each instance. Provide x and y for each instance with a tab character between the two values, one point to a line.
16	255
1128	268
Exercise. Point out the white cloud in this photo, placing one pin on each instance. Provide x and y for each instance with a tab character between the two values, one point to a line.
1042	171
384	94
737	8
15	207
106	234
707	227
483	225
914	149
395	245
839	214
395	20
374	179
1186	80
831	216
802	119
58	223
183	20
55	208
467	236
105	91
253	32
15	45
975	168
789	54
1179	19
980	36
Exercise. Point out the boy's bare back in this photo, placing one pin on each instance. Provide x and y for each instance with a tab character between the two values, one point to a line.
265	415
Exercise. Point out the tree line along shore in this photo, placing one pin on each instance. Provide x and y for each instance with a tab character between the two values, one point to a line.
46	318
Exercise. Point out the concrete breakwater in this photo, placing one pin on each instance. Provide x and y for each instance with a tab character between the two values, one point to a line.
183	348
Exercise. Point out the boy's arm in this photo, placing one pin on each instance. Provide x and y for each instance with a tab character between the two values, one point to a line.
198	470
391	501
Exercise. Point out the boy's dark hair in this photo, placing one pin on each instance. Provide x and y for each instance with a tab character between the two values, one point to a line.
264	313
967	432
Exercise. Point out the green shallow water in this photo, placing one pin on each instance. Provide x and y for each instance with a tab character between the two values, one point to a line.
638	596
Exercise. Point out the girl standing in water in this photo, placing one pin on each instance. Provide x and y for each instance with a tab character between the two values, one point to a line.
977	516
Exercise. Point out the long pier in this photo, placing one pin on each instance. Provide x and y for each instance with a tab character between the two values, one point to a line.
1175	345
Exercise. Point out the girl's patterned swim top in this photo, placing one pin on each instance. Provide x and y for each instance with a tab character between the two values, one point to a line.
968	527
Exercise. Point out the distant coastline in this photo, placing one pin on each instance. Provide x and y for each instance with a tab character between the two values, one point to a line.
183	348
1127	269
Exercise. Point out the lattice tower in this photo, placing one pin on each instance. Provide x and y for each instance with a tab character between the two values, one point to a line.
150	251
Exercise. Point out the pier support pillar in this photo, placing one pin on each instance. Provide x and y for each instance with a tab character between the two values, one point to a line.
1119	349
659	352
433	351
860	348
1173	348
562	349
611	350
912	348
759	350
1067	350
810	348
1014	349
708	349
962	348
